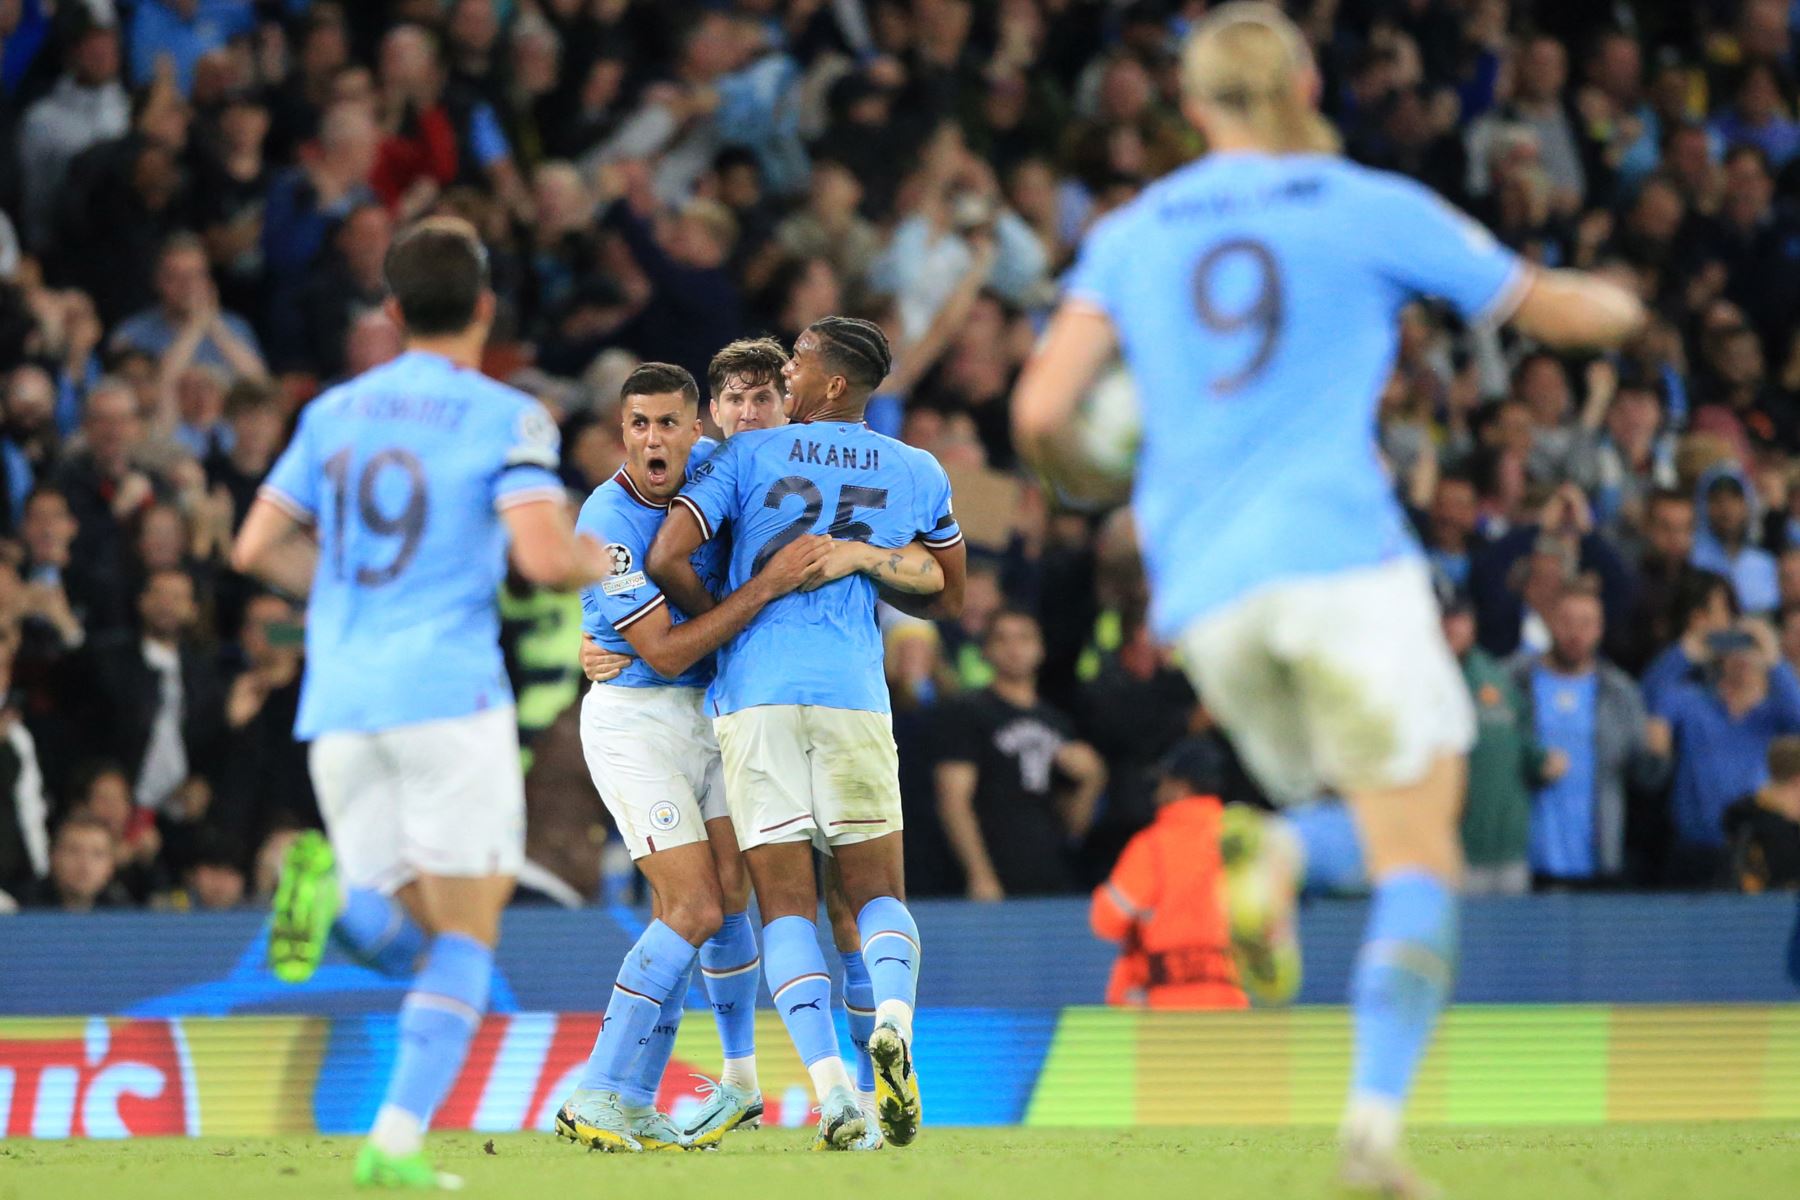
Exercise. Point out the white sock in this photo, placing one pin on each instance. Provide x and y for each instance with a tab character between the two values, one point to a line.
740	1073
826	1074
900	1013
397	1132
866	1102
1371	1123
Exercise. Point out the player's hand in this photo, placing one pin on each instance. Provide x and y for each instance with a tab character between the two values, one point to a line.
599	664
840	559
1659	738
1556	765
793	563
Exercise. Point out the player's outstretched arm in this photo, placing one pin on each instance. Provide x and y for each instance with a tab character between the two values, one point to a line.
1079	342
670	562
672	648
910	568
275	548
1577	309
548	551
944	605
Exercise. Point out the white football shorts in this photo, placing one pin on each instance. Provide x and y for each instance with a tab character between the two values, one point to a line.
1341	682
799	771
655	763
436	798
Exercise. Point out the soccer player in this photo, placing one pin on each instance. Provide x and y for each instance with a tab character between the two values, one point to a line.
745	381
392	509
654	760
800	702
1255	296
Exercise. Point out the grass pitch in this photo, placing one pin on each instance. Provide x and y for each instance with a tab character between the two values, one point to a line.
1724	1161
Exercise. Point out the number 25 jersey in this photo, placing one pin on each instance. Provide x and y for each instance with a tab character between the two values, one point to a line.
404	472
772	486
1256	299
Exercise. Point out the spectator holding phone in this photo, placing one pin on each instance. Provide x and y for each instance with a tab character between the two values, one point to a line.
263	783
1721	729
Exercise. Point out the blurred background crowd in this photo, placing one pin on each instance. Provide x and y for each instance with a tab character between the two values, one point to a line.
196	196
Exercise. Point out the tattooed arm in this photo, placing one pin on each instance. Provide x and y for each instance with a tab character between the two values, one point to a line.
910	569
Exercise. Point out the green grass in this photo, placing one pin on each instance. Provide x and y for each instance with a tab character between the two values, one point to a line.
1724	1161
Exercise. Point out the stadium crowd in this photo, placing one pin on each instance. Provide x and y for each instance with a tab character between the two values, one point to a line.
196	197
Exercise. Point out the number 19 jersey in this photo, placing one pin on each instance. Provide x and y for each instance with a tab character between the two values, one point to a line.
404	472
1256	299
772	486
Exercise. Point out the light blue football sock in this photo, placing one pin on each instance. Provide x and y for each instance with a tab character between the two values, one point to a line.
890	942
1401	983
728	965
438	1018
646	1081
1334	858
800	986
375	930
859	1007
654	967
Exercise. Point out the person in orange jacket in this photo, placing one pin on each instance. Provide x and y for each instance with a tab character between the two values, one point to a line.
1162	902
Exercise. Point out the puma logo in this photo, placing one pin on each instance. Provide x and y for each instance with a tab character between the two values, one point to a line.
812	1004
905	962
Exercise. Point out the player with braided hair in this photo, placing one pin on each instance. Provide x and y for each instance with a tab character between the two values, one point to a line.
800	701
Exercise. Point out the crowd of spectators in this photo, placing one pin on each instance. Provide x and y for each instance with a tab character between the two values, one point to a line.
195	201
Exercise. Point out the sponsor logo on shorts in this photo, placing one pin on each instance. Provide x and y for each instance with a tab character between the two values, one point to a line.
664	815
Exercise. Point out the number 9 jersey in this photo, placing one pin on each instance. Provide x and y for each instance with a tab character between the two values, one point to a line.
1256	301
772	486
403	472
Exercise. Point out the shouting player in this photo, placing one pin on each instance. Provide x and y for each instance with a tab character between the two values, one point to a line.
655	762
746	383
411	478
1255	295
652	755
800	701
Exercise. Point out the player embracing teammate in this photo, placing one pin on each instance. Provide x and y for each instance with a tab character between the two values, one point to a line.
800	702
800	697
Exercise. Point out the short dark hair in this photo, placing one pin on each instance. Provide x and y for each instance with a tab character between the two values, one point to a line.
757	360
659	379
250	395
1668	495
1694	592
436	272
1010	612
855	349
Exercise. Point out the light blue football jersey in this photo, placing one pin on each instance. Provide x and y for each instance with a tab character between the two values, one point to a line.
404	472
1256	297
626	520
774	485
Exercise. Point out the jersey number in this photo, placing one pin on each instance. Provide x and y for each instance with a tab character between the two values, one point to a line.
850	498
1263	313
408	524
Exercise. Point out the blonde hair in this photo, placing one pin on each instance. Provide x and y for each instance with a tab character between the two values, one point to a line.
1246	60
